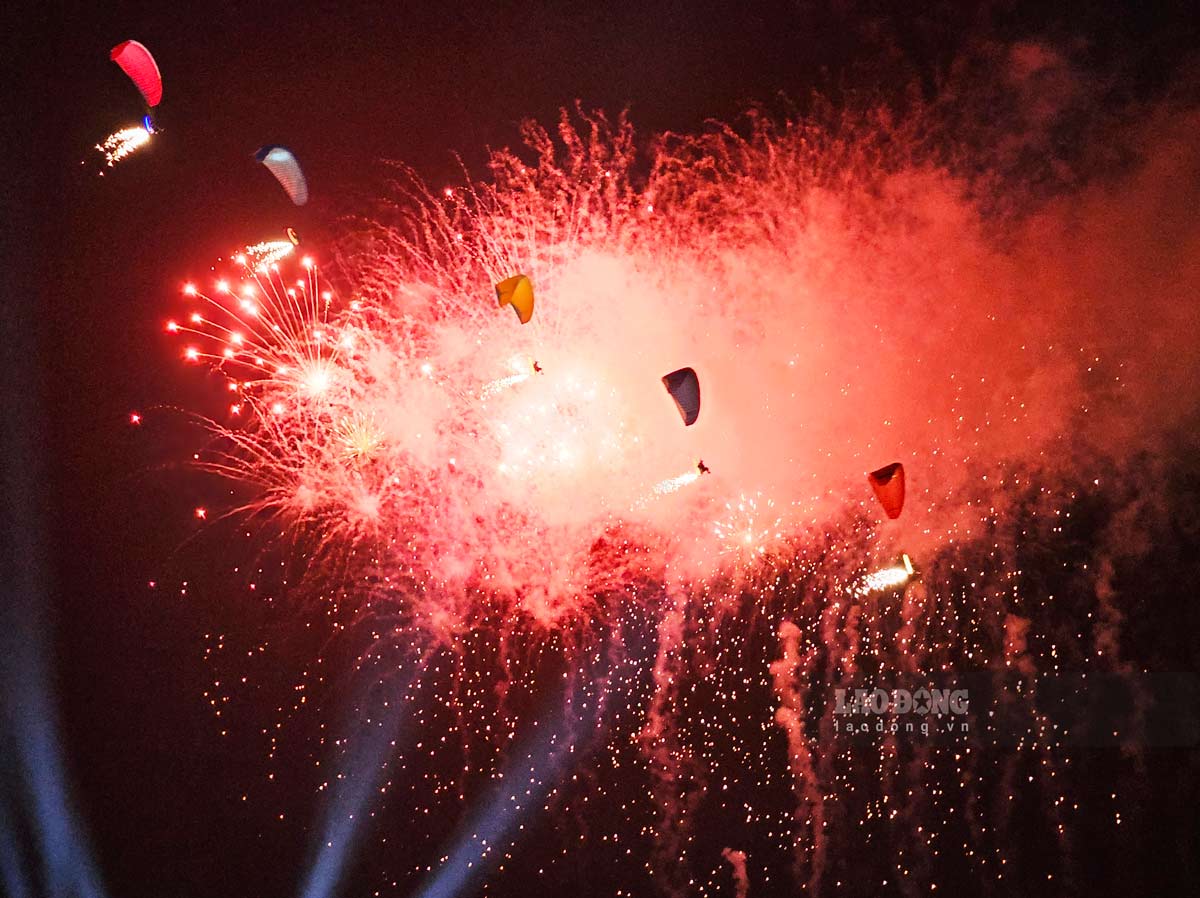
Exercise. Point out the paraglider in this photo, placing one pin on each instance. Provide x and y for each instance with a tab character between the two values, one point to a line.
702	467
888	484
136	62
293	236
517	291
281	162
684	387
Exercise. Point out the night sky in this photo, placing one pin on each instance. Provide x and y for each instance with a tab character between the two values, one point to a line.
94	266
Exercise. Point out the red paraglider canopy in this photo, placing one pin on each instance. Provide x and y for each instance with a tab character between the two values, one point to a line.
888	484
136	62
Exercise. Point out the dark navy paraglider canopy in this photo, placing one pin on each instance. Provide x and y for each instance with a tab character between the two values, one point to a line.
684	387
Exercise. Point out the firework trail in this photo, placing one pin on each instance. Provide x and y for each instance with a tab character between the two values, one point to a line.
849	292
677	777
737	860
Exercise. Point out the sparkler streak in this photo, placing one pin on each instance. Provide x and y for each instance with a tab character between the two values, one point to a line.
122	144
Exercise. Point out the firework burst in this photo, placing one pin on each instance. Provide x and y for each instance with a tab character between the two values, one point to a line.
547	521
749	526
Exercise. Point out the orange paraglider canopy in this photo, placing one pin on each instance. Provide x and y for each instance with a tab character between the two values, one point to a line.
517	291
888	484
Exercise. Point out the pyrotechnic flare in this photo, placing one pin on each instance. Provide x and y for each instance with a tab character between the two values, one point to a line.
672	484
886	578
269	252
521	367
122	144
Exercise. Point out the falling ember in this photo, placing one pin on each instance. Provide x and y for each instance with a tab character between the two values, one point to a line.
123	143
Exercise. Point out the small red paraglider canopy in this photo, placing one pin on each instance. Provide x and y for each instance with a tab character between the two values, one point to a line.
888	484
136	62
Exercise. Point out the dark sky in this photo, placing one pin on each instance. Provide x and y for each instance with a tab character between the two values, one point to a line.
94	265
